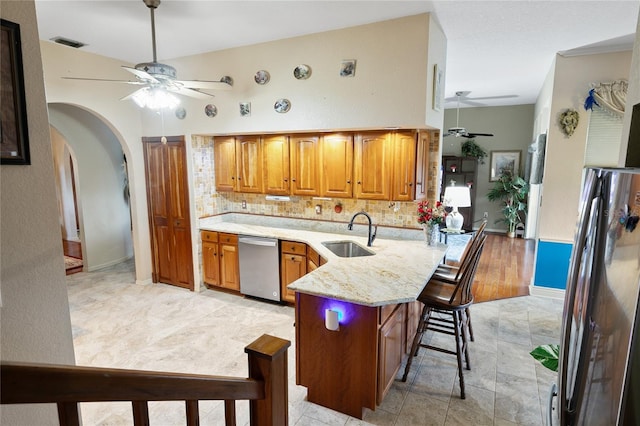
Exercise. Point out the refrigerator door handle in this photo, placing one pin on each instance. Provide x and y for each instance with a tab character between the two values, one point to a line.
553	392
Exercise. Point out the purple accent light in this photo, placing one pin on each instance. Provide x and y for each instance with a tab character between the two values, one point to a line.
342	308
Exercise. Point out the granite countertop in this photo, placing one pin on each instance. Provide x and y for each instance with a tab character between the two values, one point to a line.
397	273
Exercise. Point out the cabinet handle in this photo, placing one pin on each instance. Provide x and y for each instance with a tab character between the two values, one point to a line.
233	178
359	183
285	180
349	182
410	183
293	180
418	183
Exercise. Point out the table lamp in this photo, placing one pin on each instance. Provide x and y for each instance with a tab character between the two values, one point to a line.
456	196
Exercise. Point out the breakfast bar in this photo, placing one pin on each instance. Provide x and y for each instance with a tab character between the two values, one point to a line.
355	317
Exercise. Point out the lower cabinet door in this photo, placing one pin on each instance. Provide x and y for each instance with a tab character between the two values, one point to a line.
210	263
229	266
390	350
292	267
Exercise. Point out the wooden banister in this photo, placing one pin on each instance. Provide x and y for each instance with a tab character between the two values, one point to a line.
265	388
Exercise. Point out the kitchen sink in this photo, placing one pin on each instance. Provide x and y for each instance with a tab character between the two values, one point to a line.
347	249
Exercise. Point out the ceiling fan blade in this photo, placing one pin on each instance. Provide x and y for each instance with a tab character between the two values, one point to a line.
141	74
473	135
132	94
202	84
106	80
194	93
491	97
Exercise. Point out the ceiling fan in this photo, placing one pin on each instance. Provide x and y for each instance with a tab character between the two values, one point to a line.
463	96
158	79
461	132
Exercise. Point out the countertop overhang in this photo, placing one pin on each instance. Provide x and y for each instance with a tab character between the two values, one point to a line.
397	273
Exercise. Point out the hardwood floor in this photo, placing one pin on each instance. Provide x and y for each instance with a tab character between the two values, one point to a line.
72	248
505	268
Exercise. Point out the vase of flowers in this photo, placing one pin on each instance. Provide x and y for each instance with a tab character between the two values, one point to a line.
430	218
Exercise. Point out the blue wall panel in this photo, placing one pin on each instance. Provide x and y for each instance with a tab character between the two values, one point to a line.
552	264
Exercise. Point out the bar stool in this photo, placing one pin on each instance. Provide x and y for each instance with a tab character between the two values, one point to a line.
446	300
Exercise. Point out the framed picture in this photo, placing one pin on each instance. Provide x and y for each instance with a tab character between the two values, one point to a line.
438	82
348	68
14	136
502	161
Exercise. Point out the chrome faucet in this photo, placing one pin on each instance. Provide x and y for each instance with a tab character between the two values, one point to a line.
372	236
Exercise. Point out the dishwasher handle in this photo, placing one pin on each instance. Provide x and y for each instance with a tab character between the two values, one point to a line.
264	242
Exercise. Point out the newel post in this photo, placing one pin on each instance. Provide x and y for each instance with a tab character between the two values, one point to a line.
267	358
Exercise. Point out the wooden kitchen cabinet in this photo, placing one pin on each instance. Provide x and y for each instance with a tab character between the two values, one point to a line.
403	173
220	266
224	154
391	344
304	158
210	260
337	165
293	265
372	166
249	164
275	152
314	260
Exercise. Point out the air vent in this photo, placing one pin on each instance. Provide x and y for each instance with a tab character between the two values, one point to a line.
67	42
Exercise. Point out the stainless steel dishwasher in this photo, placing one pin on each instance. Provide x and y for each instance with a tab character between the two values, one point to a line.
259	267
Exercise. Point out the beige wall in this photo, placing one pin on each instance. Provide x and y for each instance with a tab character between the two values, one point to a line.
35	310
564	158
512	127
392	86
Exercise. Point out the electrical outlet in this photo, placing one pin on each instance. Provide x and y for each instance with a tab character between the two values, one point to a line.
318	209
244	204
485	215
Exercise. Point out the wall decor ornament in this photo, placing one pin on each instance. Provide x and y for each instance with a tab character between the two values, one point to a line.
262	77
569	121
302	72
211	110
348	68
181	113
14	135
245	109
282	105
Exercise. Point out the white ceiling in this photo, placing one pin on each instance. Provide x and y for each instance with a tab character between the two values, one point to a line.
494	48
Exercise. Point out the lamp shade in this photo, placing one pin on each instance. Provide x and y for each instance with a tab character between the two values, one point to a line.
457	196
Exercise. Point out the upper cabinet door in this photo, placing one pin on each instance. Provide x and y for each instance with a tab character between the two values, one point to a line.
404	166
249	164
337	165
224	156
275	151
305	165
422	165
373	164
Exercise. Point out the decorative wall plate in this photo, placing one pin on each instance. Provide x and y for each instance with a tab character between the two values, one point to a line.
181	113
302	72
282	105
211	110
245	109
262	77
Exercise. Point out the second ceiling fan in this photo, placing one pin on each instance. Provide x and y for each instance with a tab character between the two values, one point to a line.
461	132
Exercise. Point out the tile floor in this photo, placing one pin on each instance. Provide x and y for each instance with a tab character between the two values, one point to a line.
119	324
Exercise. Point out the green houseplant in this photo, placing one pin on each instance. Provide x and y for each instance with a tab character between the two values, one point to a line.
512	191
471	149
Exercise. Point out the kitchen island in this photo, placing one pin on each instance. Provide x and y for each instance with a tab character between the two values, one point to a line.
375	300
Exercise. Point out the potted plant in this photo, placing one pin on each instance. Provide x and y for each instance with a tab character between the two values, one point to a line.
471	149
512	191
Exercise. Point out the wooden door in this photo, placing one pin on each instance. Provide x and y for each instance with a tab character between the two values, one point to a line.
337	165
373	162
168	205
224	157
275	152
293	266
404	166
229	261
249	164
304	157
422	165
210	263
390	351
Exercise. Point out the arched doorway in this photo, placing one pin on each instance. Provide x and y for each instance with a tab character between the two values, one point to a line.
92	163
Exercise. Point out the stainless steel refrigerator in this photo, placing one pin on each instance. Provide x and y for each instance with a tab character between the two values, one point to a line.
599	373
